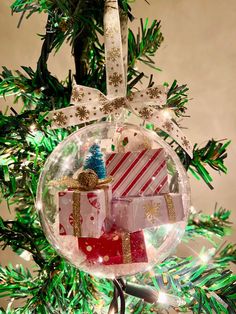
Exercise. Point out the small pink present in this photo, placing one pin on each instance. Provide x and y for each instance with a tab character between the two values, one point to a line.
82	213
138	173
136	213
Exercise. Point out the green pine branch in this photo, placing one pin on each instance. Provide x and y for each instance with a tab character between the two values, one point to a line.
143	47
209	226
177	98
212	154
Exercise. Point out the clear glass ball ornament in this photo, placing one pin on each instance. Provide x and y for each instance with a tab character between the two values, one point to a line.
120	234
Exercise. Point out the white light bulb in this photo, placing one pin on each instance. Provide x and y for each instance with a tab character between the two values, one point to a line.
170	299
66	164
25	255
162	298
33	128
39	205
167	114
206	257
193	210
168	227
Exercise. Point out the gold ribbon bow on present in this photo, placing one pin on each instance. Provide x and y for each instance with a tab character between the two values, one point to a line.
87	181
91	104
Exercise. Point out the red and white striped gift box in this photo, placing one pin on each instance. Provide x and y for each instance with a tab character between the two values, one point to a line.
138	173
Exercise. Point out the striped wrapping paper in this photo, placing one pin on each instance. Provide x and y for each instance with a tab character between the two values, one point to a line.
138	173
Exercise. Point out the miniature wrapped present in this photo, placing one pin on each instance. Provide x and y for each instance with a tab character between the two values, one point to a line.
136	213
115	247
84	206
138	173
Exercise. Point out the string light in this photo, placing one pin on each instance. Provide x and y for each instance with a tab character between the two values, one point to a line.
33	128
193	210
169	299
66	164
39	205
10	304
168	227
25	255
167	114
206	257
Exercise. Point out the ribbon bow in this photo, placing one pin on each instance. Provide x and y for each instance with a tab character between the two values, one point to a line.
91	104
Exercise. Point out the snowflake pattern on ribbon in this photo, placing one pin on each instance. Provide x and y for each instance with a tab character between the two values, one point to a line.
106	107
146	112
185	142
113	54
168	126
154	92
82	113
60	118
115	79
77	94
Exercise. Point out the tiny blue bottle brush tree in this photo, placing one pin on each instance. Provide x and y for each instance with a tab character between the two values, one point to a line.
95	161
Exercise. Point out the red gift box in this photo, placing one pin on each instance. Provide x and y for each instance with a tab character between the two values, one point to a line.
138	173
115	247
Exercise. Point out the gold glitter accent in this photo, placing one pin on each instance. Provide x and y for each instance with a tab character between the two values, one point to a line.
70	183
106	258
164	278
89	248
76	214
126	248
88	179
151	211
107	203
170	207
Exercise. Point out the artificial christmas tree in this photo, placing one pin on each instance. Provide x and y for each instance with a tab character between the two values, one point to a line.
201	285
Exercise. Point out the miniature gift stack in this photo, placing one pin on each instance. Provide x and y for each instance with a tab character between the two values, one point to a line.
84	211
140	190
84	206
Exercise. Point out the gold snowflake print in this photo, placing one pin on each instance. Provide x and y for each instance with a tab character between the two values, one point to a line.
146	113
131	97
154	92
115	79
82	113
168	126
59	118
185	142
77	94
106	107
110	32
113	54
118	103
102	97
152	211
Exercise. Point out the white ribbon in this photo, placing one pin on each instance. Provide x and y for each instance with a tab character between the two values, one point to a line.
91	104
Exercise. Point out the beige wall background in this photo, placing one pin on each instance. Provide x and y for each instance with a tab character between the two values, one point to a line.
199	49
